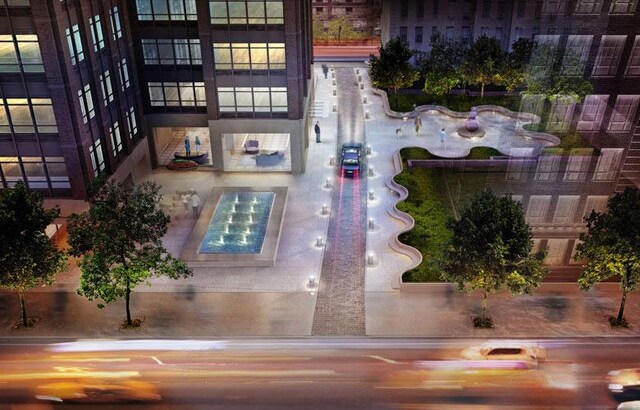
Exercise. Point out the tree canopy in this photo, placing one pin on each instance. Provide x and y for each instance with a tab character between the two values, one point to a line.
484	60
119	239
491	249
392	69
28	258
611	246
441	68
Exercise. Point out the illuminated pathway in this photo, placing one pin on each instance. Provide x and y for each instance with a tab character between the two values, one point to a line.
340	305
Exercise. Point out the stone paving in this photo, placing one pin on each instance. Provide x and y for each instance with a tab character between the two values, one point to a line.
340	304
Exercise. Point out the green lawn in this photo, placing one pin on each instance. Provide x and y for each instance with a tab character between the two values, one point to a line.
453	102
435	196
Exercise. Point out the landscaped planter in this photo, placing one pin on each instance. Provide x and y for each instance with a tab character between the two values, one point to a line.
182	165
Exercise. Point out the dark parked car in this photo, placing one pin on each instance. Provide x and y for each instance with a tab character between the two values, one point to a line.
351	159
624	384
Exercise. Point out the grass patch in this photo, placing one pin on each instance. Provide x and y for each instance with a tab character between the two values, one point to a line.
435	194
461	103
568	140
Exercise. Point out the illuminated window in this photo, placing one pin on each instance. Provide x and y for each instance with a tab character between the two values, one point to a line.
171	51
566	209
171	94
538	209
106	87
623	6
578	164
553	7
246	12
556	249
608	163
123	71
576	54
548	166
20	51
633	67
589	6
596	203
561	113
86	103
166	9
75	44
97	157
252	99
245	56
131	122
116	139
19	111
116	26
623	113
95	26
606	64
592	113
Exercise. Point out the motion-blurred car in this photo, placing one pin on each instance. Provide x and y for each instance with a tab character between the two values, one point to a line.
624	384
505	351
629	405
98	391
351	159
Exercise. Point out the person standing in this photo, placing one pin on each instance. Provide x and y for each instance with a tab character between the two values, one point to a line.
443	136
418	123
317	130
185	198
325	70
195	204
198	144
187	146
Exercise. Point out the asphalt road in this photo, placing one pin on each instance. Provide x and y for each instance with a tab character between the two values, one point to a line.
319	373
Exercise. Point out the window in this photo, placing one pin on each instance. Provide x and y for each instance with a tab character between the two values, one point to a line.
576	53
419	9
561	113
538	209
86	103
419	34
97	157
171	51
518	162
623	6
20	52
606	64
252	99
499	35
404	8
403	33
623	113
123	71
449	33
633	67
522	6
556	249
484	31
538	10
486	9
466	35
249	56
501	8
75	44
106	87
548	166
15	3
578	164
553	6
246	12
132	124
434	31
116	139
116	27
166	10
544	54
566	209
171	94
588	6
95	26
593	110
19	111
436	5
596	203
608	163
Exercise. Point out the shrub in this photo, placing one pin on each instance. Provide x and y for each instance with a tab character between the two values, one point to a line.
182	164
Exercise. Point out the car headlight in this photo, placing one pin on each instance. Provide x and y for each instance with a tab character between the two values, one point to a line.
615	387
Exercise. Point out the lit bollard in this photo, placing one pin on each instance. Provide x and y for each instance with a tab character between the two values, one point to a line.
367	116
312	282
372	196
319	242
333	73
335	107
359	78
370	170
325	209
327	183
357	71
372	225
332	160
335	92
368	149
333	82
362	86
364	99
371	260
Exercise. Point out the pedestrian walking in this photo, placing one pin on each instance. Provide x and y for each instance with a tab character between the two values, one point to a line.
325	70
418	123
443	136
185	198
317	130
195	204
198	144
187	146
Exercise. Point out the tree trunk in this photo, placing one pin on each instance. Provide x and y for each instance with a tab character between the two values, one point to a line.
395	97
127	298
481	90
621	311
484	307
24	311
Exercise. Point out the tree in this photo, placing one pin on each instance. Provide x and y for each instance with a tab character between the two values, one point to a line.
513	74
119	239
484	60
491	250
28	258
611	247
392	70
441	68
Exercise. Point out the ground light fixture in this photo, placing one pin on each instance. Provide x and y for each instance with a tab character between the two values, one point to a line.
372	195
